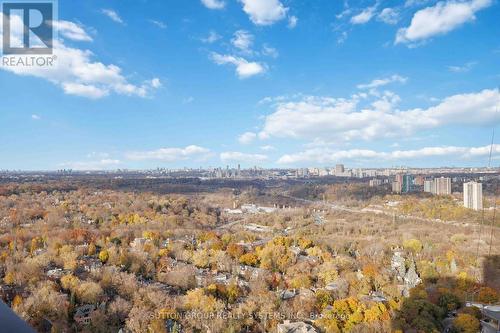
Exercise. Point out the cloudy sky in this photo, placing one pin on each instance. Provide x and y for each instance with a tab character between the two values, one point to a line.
273	83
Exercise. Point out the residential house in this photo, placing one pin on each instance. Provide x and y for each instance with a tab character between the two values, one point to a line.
83	314
296	327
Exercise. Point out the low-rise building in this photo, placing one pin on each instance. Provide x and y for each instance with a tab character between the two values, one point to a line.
491	321
287	294
296	327
83	314
57	273
138	243
90	264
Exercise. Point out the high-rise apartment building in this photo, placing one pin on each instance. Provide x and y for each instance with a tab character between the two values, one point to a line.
419	180
399	179
473	195
438	186
407	185
396	187
375	182
339	169
442	186
428	185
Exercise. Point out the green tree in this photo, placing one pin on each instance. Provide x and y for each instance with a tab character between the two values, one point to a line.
449	302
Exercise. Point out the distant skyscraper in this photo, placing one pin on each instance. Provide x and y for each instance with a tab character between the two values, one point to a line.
399	178
473	195
419	180
396	187
428	184
339	169
442	186
407	183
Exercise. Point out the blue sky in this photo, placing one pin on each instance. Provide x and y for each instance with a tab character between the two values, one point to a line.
273	83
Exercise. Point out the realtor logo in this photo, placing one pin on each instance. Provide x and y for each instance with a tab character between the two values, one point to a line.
27	27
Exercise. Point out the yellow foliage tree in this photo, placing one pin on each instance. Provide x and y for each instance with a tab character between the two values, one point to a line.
413	245
305	243
17	301
91	249
301	281
201	258
466	323
70	282
9	278
328	275
196	299
104	256
249	259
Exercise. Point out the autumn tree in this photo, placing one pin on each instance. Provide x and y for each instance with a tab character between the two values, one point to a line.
104	256
69	257
487	295
197	299
413	245
70	282
235	250
45	302
249	259
466	323
89	292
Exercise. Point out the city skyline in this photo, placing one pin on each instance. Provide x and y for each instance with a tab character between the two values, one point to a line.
277	84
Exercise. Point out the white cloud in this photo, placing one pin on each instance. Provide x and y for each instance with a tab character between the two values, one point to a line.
338	119
214	4
343	14
462	69
84	90
156	83
292	22
270	51
329	156
71	30
242	157
382	82
211	38
113	15
159	24
35	117
389	16
440	19
170	154
247	138
78	74
103	164
342	37
244	68
267	148
243	40
264	12
411	3
364	17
